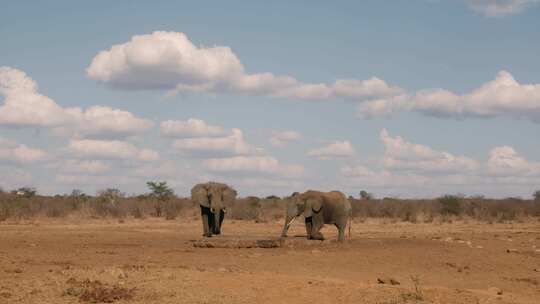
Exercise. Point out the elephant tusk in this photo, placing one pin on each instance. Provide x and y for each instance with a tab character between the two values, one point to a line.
290	222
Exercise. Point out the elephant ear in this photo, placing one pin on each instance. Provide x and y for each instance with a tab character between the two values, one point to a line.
199	194
313	205
229	195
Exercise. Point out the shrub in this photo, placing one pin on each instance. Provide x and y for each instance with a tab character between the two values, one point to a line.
172	209
27	192
161	193
450	205
366	195
536	196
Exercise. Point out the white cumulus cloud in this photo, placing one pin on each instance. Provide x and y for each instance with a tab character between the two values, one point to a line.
402	155
84	166
109	149
190	128
338	149
24	106
12	151
505	161
503	97
253	164
281	139
492	8
233	144
170	61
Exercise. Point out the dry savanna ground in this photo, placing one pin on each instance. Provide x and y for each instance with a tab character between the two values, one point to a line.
152	260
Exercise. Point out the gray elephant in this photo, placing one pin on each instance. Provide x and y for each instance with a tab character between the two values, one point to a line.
319	208
213	198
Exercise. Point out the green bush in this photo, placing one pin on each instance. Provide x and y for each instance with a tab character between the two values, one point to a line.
450	205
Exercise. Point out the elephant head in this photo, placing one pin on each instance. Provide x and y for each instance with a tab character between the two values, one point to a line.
301	204
213	197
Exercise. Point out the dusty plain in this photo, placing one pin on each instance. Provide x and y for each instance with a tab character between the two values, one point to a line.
155	261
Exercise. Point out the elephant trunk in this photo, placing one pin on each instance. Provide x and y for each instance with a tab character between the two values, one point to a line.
288	221
217	221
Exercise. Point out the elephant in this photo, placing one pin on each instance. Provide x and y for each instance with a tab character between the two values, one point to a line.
319	208
213	198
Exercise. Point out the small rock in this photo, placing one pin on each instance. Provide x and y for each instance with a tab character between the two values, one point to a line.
495	291
221	269
479	247
537	269
388	280
122	275
315	251
512	251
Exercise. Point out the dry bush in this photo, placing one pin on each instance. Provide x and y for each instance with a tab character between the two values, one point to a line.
97	292
260	210
447	208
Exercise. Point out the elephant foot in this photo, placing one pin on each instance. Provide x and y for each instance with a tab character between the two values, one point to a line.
317	237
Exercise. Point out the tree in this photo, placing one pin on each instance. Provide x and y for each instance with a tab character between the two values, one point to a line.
161	193
366	195
111	195
536	195
27	192
450	204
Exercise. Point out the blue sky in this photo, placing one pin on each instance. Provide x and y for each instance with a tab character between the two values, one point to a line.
401	98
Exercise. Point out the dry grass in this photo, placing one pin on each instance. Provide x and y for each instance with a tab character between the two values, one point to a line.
97	292
446	209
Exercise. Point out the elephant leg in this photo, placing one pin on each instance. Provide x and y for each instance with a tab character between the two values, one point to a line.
217	227
206	221
309	226
341	232
211	222
317	226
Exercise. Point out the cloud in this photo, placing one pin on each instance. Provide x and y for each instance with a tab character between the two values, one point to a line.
12	151
109	149
493	8
364	177
414	169
17	177
281	139
100	120
503	97
190	128
505	161
25	107
365	89
233	144
338	149
85	180
170	61
253	164
84	166
402	155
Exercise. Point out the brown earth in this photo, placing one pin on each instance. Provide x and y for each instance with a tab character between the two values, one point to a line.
155	261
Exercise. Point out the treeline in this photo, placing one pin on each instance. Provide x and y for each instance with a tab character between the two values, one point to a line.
160	202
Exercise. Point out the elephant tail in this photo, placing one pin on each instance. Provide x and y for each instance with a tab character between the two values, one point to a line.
350	224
